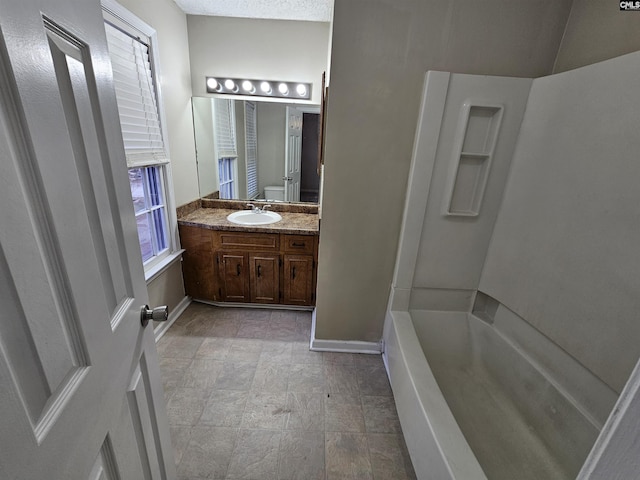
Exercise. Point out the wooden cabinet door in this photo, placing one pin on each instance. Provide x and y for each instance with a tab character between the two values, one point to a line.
298	279
197	262
234	277
264	277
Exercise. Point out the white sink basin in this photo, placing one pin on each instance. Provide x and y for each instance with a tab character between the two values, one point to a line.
247	217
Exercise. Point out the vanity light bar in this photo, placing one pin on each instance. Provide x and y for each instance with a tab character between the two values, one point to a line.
259	88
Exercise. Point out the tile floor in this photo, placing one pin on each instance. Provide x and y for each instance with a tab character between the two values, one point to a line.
246	399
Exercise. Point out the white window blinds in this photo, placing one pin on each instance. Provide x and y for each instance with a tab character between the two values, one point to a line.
224	128
136	97
251	139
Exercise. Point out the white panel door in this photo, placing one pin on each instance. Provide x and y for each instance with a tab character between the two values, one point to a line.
80	390
293	155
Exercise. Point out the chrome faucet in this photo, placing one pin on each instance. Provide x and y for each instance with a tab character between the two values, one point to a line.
255	209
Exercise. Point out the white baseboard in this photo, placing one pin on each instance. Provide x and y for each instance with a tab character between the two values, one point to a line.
341	346
173	316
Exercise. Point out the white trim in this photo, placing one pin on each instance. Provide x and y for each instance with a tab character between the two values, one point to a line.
309	109
172	216
173	316
154	271
615	453
253	98
345	346
120	12
341	346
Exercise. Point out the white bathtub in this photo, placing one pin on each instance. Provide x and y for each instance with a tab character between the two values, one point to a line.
473	406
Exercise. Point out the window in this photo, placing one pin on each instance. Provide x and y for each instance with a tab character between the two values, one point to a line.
224	128
251	140
225	174
139	107
149	205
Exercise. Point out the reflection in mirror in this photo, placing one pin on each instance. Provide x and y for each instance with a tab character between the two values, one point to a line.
276	157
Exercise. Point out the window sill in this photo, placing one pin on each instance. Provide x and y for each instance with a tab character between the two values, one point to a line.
153	272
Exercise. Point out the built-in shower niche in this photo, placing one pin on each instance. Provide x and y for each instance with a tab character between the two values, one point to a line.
473	150
485	307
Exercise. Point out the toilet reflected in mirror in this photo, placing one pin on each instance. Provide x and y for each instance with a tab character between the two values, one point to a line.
274	193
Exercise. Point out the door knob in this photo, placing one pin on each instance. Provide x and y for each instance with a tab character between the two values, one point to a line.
289	179
158	314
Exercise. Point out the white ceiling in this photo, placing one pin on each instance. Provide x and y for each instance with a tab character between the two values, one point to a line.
309	10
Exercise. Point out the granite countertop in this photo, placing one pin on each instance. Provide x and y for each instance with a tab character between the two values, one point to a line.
216	219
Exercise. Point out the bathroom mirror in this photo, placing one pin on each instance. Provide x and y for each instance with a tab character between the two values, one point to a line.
278	143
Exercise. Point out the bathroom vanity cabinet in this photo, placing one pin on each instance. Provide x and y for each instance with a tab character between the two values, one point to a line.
249	267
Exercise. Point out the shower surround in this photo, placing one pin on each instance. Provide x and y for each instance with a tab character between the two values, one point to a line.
512	326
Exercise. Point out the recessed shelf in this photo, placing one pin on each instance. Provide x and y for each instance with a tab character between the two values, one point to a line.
470	176
473	149
485	307
482	125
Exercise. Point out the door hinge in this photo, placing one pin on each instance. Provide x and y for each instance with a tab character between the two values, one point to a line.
220	292
313	264
218	259
279	262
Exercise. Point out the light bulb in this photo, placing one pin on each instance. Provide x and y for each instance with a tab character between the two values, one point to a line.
229	84
301	89
212	83
265	87
283	88
247	86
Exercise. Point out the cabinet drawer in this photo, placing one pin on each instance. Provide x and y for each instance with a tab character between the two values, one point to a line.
249	241
302	244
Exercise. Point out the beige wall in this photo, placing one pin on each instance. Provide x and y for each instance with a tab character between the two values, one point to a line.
380	53
597	30
261	49
175	81
168	288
